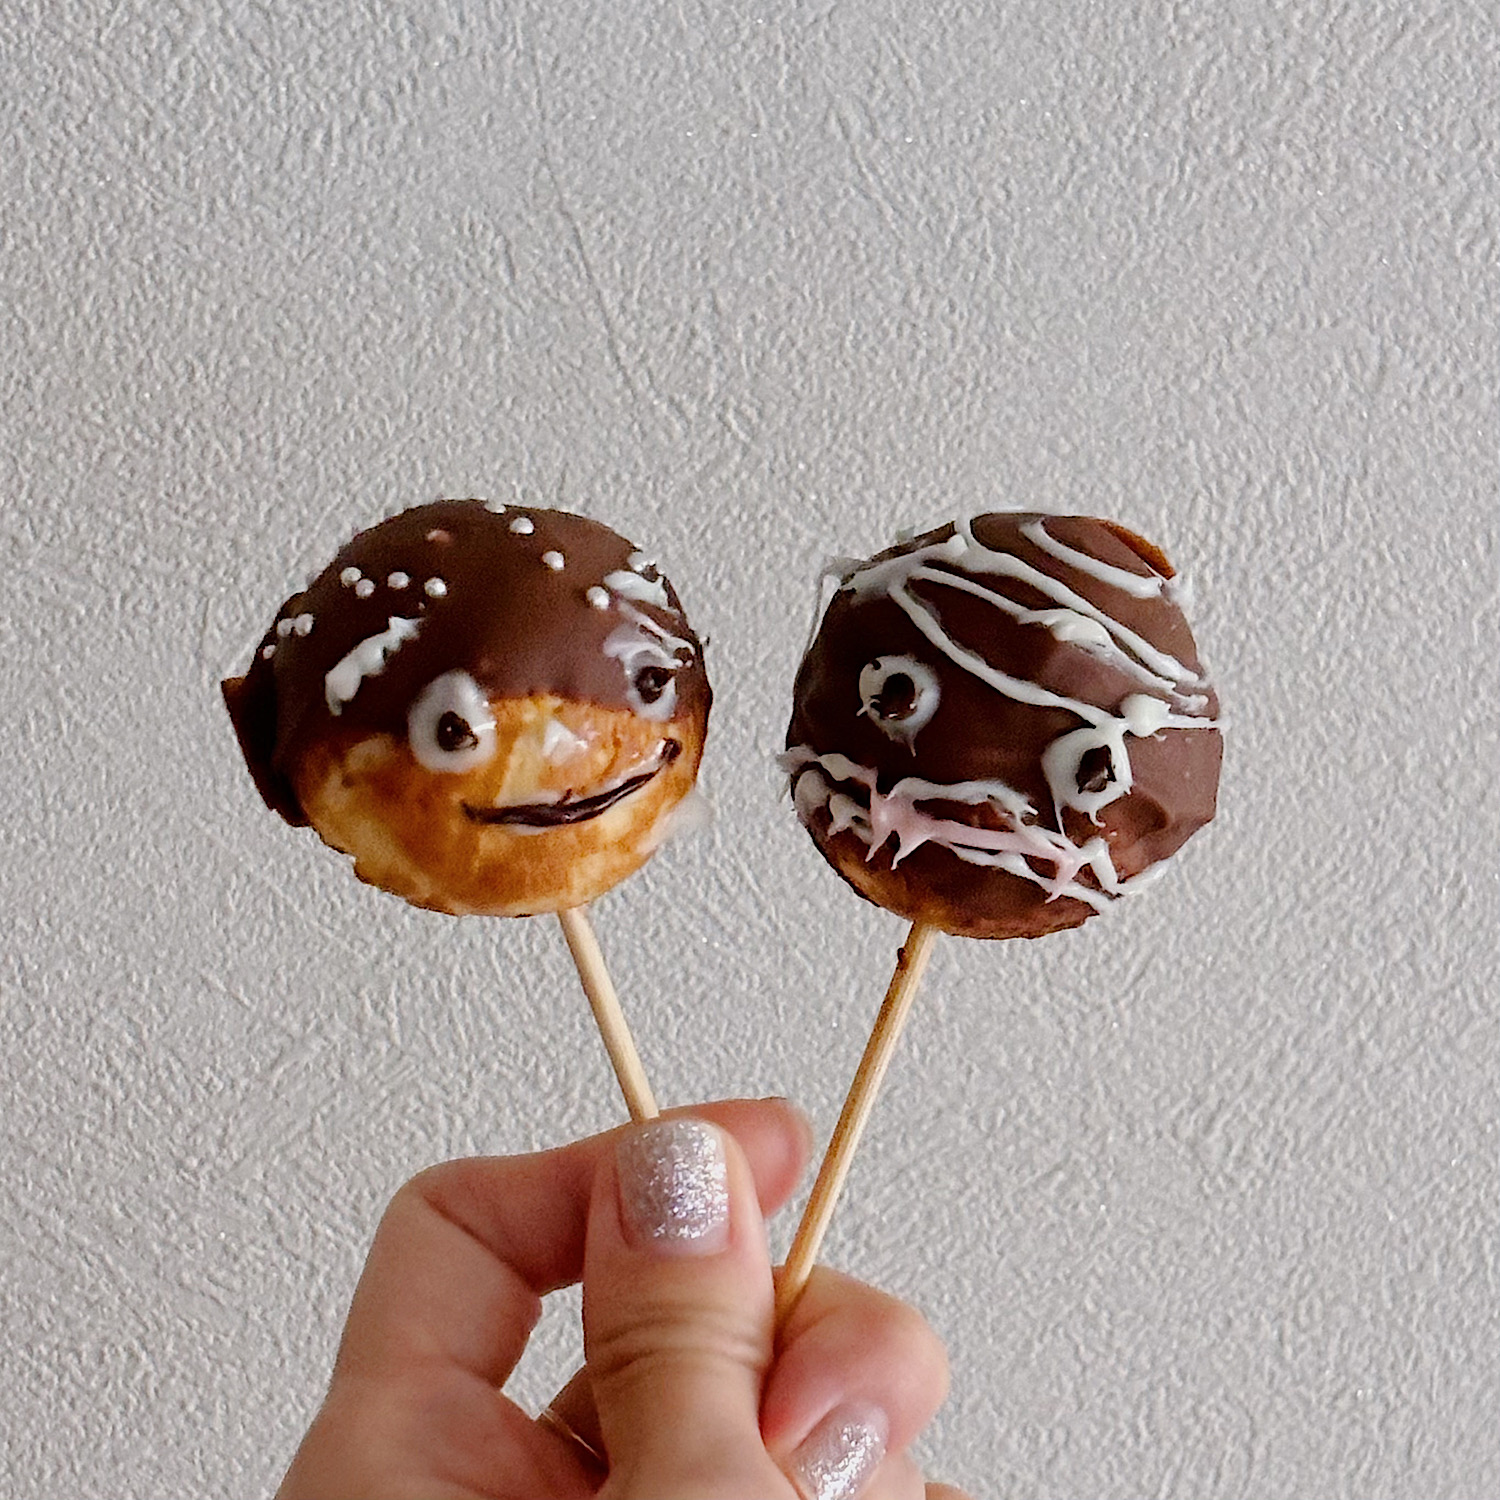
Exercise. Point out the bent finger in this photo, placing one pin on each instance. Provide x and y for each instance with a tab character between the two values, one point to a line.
466	1250
850	1349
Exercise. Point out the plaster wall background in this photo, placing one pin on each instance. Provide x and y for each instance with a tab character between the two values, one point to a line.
1203	1196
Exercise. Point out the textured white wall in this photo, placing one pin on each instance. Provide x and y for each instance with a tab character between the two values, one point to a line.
1203	1197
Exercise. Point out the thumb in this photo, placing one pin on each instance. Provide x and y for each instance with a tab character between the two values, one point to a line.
678	1307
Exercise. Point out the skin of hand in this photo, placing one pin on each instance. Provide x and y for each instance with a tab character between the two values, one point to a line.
686	1388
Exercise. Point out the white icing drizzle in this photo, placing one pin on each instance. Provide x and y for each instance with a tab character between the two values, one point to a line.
522	526
897	815
398	580
1140	585
1022	846
560	744
643	590
435	588
367	659
553	560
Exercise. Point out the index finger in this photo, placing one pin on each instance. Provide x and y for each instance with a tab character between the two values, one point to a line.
466	1250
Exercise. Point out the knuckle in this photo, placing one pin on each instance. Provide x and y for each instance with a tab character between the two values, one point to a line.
658	1337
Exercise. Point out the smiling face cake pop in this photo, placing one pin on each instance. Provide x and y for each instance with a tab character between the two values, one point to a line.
494	710
1002	726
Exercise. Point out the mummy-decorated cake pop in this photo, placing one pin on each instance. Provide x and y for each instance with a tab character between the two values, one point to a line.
1002	725
494	710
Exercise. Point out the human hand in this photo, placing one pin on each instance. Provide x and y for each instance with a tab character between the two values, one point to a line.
687	1390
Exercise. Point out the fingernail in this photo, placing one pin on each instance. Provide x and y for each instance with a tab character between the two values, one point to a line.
837	1459
674	1188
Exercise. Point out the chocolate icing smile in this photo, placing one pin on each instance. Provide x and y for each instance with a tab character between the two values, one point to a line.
570	809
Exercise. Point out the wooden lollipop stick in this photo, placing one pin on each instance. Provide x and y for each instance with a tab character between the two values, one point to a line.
857	1106
605	1003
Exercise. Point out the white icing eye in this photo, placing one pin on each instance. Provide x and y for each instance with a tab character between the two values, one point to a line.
648	655
652	690
1088	768
653	684
899	693
450	726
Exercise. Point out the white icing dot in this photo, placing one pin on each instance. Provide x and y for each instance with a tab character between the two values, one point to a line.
364	588
498	506
284	628
553	560
398	580
435	588
349	577
522	526
267	652
303	624
597	597
639	562
437	534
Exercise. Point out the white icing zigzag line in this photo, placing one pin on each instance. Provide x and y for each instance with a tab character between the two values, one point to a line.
1067	624
896	814
964	549
367	659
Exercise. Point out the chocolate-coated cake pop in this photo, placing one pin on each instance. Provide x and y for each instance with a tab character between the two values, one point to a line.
493	709
1002	725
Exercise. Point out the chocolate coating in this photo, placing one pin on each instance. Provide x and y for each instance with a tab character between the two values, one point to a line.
474	702
1002	723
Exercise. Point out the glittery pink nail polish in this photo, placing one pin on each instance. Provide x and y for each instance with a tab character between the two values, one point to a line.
674	1188
840	1455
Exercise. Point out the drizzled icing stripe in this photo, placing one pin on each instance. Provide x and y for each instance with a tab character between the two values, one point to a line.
1139	585
643	590
1068	624
963	549
896	814
367	659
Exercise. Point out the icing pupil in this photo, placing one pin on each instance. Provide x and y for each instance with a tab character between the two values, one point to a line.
454	732
897	697
651	683
1096	769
